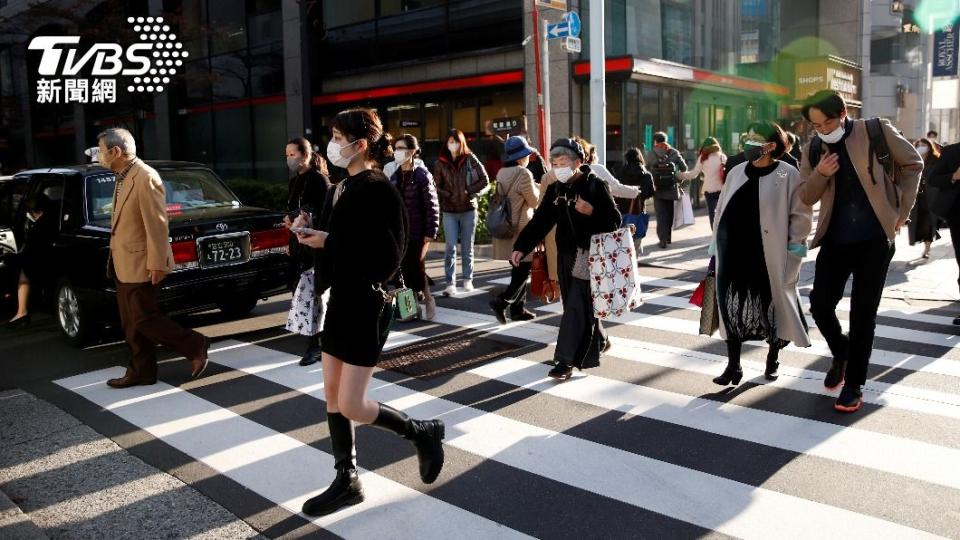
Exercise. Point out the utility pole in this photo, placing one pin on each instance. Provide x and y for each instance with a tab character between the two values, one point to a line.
598	91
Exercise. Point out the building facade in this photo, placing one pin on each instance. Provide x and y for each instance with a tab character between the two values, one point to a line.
262	71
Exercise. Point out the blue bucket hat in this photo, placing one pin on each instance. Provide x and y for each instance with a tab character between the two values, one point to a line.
516	148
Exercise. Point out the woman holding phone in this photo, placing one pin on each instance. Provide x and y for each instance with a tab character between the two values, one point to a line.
363	244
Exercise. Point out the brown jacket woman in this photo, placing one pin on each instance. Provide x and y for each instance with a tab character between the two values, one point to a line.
524	194
460	182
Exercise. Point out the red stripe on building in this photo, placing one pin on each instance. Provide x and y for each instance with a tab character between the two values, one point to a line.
625	63
478	81
719	79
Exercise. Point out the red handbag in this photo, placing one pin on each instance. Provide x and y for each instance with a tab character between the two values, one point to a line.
538	273
697	298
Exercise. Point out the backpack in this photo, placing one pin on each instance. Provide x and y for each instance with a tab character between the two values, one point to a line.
878	148
664	173
500	214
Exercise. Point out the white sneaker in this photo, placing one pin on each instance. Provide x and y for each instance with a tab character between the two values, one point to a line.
468	286
451	290
429	308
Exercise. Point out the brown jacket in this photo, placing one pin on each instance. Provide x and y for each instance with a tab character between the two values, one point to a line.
460	184
523	193
140	240
890	198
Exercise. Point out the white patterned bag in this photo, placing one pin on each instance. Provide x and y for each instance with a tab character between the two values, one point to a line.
306	310
614	276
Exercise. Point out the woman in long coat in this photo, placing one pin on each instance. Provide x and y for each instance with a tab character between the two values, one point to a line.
760	241
517	182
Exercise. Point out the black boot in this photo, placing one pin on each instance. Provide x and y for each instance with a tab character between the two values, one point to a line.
499	307
345	489
772	372
733	372
519	313
426	435
312	356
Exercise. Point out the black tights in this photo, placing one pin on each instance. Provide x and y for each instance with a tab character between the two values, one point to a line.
735	347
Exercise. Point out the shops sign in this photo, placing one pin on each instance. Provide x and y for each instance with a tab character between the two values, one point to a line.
824	74
68	74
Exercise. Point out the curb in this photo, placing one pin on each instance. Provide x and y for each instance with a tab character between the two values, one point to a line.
16	524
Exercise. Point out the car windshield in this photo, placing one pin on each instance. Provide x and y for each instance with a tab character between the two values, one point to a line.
188	190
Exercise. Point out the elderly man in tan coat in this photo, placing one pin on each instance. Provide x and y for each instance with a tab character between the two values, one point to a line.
140	258
865	176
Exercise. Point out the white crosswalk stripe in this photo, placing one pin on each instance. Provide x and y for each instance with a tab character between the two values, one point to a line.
587	458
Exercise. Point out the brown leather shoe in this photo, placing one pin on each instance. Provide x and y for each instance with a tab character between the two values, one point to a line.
200	363
127	381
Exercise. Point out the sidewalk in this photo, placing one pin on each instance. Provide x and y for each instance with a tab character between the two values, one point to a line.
71	482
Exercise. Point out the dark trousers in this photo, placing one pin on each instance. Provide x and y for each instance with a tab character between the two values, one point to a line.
144	326
516	293
867	262
664	209
413	267
955	238
581	334
712	200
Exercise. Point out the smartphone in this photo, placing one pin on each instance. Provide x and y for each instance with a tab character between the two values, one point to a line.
304	230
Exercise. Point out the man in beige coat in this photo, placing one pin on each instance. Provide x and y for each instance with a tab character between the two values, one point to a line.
863	204
140	258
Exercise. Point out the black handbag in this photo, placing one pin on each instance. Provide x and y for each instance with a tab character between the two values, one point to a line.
942	200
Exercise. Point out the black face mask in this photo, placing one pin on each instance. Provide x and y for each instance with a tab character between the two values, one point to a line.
752	153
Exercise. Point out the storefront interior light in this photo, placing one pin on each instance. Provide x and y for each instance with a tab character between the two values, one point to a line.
896	6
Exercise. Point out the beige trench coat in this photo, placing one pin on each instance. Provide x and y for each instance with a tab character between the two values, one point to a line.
524	194
784	219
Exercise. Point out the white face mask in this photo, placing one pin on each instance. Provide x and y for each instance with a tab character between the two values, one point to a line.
923	150
834	136
454	148
563	173
293	164
401	156
335	157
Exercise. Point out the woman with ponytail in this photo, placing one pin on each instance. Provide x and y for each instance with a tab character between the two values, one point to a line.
307	190
710	163
363	243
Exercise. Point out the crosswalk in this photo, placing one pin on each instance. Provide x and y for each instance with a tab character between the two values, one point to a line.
643	446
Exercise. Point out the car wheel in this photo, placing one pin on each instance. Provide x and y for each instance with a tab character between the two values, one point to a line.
72	315
238	307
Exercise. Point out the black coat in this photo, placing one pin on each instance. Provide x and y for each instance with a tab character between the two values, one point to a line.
36	257
368	231
305	192
635	174
941	178
732	162
555	208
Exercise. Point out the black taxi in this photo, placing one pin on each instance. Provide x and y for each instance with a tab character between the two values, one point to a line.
227	255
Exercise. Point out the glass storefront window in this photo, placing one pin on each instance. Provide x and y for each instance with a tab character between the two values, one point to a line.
614	122
269	133
227	26
342	13
631	115
230	78
649	114
396	7
266	70
232	143
465	117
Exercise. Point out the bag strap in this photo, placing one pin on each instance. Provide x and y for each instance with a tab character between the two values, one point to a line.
815	145
878	148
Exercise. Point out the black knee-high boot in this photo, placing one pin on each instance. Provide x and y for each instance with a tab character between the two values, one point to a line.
345	489
772	372
426	435
312	356
733	372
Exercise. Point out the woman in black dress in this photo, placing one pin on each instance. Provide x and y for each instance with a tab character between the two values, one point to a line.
923	224
760	242
362	246
306	192
35	263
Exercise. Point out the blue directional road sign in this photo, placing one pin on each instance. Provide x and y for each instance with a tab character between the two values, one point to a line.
569	26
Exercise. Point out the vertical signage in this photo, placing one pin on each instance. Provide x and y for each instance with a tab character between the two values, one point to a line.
945	51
